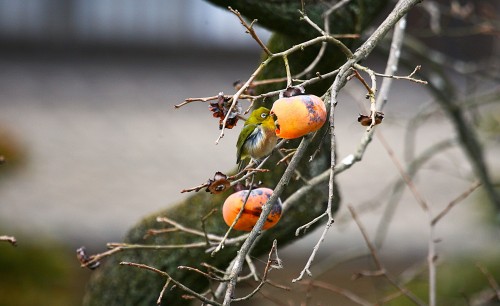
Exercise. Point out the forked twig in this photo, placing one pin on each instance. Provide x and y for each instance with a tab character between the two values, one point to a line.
211	98
408	77
315	250
177	283
250	30
454	202
163	289
269	265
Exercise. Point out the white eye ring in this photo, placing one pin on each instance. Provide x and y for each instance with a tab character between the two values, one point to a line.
263	115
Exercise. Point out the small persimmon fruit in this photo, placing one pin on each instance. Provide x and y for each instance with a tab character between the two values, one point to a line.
252	210
298	115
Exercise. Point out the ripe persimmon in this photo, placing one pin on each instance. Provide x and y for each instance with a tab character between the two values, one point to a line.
252	210
298	115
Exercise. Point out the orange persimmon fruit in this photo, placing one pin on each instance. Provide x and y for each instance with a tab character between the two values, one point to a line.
298	115
252	210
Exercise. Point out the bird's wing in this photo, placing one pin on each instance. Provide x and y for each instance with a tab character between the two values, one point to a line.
248	131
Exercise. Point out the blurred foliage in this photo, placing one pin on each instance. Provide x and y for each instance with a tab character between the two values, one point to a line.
459	282
41	273
488	213
490	125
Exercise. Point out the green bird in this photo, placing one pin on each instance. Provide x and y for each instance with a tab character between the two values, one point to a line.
258	138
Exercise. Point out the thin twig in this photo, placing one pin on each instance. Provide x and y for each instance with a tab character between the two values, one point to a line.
211	98
431	261
203	227
310	223
409	182
160	297
250	30
454	202
408	77
211	237
311	23
369	244
222	288
315	250
392	61
11	239
185	229
371	92
288	74
178	284
389	298
251	266
341	291
207	275
315	62
491	280
335	7
96	258
237	95
119	247
362	80
263	281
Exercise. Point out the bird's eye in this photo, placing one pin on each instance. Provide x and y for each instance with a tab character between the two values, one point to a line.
263	115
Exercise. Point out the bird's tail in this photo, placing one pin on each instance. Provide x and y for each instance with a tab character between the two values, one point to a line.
241	165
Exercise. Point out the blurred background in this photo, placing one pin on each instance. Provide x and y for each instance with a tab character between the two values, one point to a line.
92	141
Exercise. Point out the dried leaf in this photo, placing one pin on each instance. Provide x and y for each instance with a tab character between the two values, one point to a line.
220	109
367	120
218	184
292	91
81	255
